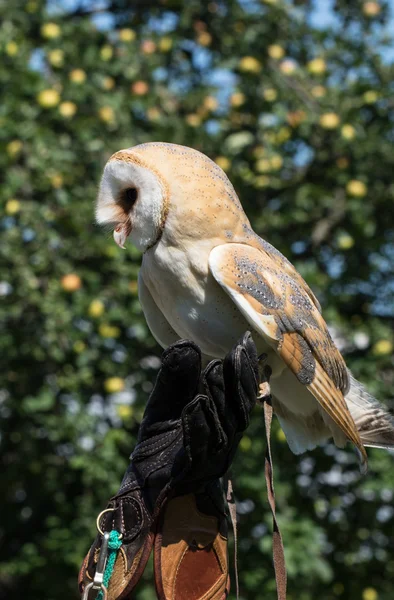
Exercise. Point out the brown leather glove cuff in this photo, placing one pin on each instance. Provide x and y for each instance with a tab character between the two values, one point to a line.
127	515
125	575
190	553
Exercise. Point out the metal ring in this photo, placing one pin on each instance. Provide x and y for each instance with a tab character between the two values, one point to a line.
98	521
99	517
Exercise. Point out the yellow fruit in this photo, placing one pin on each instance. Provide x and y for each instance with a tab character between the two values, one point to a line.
237	99
148	47
106	114
356	188
67	109
210	103
270	137
193	120
71	282
50	31
317	66
204	38
96	308
348	132
263	165
280	436
296	118
56	180
276	162
371	9
108	83
370	594
249	64
283	135
245	444
125	411
342	162
48	98
56	57
345	241
77	76
370	96
223	162
153	113
79	346
259	151
126	35
262	181
114	384
276	51
288	66
270	94
329	120
109	331
382	347
106	52
14	148
133	286
11	48
140	88
318	91
12	207
165	44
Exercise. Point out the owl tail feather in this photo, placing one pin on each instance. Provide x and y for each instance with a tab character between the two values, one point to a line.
373	421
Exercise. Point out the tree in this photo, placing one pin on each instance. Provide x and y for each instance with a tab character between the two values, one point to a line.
293	99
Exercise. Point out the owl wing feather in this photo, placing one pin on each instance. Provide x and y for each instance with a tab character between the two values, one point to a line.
280	307
285	265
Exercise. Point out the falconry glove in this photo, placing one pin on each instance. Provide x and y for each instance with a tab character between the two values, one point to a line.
171	496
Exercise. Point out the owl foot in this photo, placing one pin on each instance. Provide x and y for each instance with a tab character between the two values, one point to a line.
264	393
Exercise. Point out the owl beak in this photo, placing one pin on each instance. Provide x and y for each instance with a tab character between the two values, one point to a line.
121	234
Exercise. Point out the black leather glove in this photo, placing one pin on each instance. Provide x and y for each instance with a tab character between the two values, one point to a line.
191	428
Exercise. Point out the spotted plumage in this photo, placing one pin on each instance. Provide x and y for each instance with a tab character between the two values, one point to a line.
207	276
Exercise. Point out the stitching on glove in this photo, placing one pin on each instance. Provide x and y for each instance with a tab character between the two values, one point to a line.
137	516
144	448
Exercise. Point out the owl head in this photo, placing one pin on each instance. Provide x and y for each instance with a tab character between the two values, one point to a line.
157	186
132	199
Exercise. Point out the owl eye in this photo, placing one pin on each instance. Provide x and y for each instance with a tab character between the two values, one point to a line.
129	198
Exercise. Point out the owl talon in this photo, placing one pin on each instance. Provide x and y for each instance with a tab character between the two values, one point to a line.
264	393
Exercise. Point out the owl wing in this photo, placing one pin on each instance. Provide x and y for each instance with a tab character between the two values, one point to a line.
280	308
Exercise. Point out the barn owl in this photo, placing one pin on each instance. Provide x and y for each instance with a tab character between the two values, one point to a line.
207	276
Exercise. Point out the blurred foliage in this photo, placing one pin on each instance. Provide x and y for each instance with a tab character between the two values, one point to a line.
294	99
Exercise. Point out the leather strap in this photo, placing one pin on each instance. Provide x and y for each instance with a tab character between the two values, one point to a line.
277	543
232	508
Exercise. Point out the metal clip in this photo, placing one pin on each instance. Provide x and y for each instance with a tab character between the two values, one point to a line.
97	583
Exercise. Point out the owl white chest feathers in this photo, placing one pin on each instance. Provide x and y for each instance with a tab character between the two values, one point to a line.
186	294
